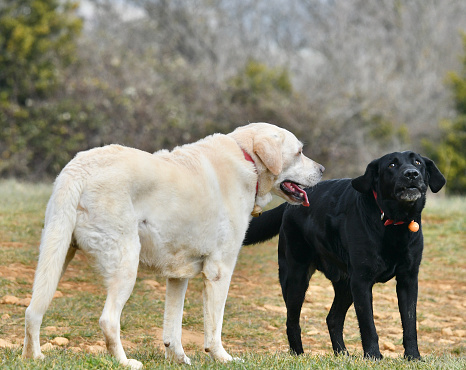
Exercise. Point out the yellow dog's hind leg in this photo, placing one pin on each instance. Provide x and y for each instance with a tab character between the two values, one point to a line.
172	320
120	282
45	284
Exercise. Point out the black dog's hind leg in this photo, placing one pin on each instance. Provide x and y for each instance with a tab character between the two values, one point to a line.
294	280
336	317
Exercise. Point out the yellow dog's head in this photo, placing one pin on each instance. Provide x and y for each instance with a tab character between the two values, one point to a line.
282	167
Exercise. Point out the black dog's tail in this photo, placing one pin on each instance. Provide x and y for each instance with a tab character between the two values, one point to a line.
266	226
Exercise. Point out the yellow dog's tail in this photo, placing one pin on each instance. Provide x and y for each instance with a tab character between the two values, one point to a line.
60	221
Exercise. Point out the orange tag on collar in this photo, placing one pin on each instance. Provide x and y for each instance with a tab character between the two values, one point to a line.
413	226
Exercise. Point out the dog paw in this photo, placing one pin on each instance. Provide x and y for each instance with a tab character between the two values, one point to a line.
342	353
183	359
222	356
373	356
29	354
413	357
40	356
133	364
224	359
186	360
180	358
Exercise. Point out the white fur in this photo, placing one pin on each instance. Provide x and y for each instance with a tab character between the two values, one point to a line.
181	213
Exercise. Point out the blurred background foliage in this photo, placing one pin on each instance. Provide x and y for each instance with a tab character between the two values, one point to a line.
352	79
450	150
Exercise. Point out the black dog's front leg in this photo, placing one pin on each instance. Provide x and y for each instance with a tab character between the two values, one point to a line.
406	290
362	295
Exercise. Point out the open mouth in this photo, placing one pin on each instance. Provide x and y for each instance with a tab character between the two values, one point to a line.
408	194
295	192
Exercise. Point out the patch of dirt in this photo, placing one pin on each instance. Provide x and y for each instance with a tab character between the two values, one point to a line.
17	271
11	245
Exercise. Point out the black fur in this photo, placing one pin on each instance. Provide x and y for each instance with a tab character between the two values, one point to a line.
342	235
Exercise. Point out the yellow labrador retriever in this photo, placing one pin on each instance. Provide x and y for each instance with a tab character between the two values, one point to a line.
181	213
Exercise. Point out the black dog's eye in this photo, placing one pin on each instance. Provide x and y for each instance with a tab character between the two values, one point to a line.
391	165
416	162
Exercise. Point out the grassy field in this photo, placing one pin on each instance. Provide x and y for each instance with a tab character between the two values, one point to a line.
254	324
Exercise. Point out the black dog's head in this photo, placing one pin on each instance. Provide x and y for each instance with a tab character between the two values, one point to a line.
400	176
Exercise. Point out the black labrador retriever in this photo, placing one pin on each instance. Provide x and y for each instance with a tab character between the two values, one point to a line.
357	232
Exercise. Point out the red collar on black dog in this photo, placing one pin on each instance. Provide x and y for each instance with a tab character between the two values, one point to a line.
413	225
388	221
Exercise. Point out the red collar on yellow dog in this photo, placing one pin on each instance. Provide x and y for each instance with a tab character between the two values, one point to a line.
249	158
257	211
413	225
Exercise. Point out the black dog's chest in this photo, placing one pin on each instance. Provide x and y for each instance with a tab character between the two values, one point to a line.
387	271
379	269
380	260
397	251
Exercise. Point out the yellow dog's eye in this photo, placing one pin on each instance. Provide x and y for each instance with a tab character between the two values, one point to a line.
391	165
417	162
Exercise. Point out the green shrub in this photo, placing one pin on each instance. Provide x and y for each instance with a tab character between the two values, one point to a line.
36	42
450	150
258	81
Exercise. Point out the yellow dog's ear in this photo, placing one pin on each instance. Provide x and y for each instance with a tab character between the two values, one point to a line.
269	149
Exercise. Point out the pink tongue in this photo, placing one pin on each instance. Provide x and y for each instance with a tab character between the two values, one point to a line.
305	203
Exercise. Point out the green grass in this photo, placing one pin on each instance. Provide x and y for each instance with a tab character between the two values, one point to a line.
444	225
22	209
250	331
61	359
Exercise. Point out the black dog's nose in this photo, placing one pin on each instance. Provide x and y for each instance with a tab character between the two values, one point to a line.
411	174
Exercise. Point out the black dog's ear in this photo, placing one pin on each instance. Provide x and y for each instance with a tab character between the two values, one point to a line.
436	179
364	183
